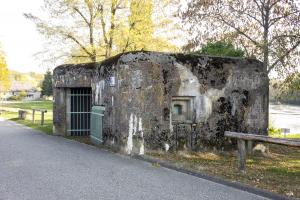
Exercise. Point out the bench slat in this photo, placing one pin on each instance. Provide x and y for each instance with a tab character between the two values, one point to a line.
263	138
40	110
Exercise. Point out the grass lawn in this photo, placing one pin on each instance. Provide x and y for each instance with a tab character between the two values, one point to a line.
279	172
48	105
10	111
289	136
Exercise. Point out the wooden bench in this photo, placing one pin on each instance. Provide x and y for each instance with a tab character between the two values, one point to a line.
42	115
243	137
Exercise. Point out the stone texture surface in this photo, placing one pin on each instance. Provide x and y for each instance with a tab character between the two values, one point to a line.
226	94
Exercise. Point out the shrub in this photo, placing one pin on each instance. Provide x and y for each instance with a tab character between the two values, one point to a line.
14	98
220	48
273	130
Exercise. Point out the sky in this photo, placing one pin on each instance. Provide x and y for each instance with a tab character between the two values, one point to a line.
18	36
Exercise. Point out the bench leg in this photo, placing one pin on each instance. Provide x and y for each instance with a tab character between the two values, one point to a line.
249	147
42	118
241	155
33	112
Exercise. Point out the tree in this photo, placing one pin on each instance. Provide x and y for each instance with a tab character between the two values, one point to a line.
93	30
141	28
72	20
286	90
4	73
22	94
47	89
141	24
266	29
221	49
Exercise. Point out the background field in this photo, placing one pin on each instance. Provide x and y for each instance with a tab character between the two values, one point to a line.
10	111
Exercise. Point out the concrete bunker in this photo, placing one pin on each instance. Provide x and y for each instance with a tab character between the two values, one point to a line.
165	101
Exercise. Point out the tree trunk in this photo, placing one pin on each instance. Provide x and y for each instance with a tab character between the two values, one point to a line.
94	54
91	29
112	28
266	18
266	44
241	155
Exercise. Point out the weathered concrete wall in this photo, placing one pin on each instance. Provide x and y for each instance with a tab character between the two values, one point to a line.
222	93
59	111
72	76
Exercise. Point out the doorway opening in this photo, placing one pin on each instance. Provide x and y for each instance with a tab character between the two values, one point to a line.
80	104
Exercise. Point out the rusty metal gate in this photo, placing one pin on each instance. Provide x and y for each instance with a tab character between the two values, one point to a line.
185	133
80	111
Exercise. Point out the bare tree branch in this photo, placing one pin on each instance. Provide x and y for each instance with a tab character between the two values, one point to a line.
246	13
68	35
284	36
103	25
82	15
266	26
276	19
281	58
239	31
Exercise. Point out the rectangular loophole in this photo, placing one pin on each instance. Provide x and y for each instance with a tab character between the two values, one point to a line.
182	109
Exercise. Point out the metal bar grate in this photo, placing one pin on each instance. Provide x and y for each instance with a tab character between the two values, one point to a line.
80	109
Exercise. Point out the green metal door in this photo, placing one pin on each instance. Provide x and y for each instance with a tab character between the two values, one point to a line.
97	124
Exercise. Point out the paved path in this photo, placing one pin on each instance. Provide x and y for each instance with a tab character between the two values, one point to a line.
38	166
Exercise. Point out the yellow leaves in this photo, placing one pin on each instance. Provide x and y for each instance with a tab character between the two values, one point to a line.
141	25
142	28
210	156
123	25
4	80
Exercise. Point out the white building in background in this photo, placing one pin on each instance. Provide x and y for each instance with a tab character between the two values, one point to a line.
32	93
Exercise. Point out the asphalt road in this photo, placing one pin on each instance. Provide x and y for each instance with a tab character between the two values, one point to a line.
39	166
